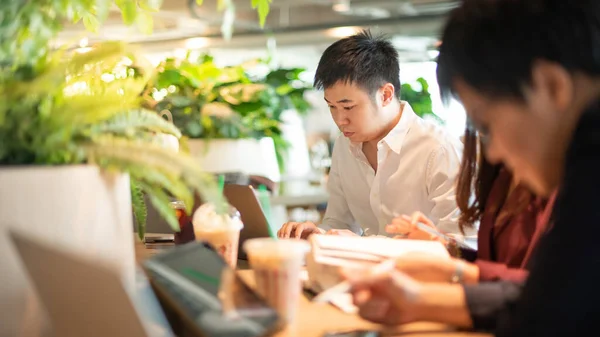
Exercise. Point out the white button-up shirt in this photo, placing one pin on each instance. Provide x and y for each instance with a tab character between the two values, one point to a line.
417	166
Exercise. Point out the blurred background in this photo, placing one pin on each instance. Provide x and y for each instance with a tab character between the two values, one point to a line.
268	73
240	90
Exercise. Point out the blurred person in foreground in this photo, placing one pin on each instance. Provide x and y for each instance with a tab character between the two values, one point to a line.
388	161
528	74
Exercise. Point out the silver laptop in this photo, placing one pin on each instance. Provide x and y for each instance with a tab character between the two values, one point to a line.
244	199
85	297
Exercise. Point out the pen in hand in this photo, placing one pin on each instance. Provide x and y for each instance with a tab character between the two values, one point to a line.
345	286
434	232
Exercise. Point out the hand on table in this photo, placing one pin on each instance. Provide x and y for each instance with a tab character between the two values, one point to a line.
298	230
341	232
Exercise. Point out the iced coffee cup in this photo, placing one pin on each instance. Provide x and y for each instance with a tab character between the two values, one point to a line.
222	231
277	265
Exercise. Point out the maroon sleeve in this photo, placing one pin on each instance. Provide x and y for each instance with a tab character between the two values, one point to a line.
494	271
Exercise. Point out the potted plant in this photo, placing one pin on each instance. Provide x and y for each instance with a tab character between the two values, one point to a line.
73	144
232	119
290	87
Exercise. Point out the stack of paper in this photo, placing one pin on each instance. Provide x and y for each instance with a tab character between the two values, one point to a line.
329	253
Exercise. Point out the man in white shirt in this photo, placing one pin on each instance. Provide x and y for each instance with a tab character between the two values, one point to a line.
388	161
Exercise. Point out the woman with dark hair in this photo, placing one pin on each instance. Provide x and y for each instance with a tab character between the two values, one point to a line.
511	220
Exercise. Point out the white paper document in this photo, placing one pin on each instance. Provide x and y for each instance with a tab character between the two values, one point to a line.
329	253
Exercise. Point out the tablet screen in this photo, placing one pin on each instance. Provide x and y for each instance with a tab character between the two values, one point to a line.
239	305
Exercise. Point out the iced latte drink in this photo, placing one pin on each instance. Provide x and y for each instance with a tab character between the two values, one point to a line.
222	231
277	265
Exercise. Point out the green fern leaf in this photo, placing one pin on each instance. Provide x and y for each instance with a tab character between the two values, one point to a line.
155	157
170	183
162	203
91	22
139	208
145	22
128	10
263	7
144	120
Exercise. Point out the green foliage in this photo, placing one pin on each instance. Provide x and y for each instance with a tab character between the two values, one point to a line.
263	7
211	102
71	113
228	8
140	211
26	27
85	110
290	88
419	100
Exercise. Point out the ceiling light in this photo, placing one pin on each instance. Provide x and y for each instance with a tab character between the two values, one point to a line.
83	50
433	53
341	32
83	42
196	43
83	46
341	6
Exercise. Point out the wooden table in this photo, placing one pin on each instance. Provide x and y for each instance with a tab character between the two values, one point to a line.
317	319
314	320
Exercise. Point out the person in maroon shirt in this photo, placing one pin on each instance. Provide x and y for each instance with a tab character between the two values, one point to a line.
511	218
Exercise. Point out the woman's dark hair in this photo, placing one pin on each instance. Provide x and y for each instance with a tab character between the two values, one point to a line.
476	173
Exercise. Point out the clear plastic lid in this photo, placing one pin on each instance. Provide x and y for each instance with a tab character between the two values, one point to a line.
207	217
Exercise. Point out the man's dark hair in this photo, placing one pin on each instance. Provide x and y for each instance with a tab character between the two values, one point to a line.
492	45
363	59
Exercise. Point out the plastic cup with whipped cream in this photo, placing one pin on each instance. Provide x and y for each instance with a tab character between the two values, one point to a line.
222	231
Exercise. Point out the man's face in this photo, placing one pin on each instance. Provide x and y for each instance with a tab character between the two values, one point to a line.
524	135
354	111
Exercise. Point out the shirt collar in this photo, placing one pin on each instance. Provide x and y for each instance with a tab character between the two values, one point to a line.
395	137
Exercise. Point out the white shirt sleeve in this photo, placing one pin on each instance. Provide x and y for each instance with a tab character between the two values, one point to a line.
441	175
337	215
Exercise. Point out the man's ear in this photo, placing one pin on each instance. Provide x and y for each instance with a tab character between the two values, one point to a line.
387	93
553	82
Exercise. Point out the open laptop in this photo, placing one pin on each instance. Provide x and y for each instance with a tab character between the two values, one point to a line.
244	199
85	297
159	232
157	229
